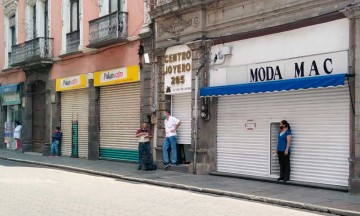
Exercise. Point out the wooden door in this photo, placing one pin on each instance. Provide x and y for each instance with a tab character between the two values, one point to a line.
38	116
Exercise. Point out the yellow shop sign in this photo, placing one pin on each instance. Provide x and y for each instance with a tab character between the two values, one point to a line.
117	76
70	83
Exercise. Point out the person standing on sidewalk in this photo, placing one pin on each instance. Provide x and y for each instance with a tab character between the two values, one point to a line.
283	150
17	135
171	125
56	137
144	135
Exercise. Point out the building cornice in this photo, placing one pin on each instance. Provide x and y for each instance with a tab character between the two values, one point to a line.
10	7
352	11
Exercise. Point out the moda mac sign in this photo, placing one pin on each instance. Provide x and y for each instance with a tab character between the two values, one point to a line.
317	65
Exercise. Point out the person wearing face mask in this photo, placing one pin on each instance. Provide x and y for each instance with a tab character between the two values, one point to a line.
144	136
283	150
171	125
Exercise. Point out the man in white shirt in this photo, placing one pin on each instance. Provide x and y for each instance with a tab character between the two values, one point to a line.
17	135
171	125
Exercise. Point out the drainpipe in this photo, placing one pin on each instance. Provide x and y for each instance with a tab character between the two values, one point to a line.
196	115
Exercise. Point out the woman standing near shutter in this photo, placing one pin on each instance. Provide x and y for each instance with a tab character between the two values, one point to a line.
283	150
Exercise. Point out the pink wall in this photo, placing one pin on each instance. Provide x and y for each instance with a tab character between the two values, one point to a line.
56	26
108	58
12	76
2	39
90	12
136	16
21	22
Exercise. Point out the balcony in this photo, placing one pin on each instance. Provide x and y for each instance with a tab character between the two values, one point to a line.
38	50
109	29
72	41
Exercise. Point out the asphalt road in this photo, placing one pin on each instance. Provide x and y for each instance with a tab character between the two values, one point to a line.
28	190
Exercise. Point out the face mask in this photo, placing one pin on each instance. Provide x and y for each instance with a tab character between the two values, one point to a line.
163	116
281	127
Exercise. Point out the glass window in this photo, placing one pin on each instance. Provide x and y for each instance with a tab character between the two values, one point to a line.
74	16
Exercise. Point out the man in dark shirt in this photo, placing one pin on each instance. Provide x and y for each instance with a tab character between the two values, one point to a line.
56	137
144	136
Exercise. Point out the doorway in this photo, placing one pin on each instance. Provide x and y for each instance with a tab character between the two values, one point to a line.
38	115
274	162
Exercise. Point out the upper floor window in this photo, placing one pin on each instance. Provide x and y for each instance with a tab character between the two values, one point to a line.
12	30
114	5
74	15
33	13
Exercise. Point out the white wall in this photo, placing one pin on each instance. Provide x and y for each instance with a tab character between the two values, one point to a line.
312	40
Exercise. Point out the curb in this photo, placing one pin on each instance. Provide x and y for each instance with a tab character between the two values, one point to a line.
303	206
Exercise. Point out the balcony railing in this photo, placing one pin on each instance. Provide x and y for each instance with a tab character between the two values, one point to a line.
72	41
32	51
108	29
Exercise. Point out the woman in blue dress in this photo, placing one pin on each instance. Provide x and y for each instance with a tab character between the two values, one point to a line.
283	150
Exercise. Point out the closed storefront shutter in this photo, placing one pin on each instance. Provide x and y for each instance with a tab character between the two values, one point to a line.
181	109
119	120
74	107
319	120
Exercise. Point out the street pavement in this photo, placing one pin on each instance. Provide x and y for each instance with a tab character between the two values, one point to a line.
36	191
321	200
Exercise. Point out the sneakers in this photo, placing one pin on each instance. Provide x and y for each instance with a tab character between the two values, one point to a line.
167	165
173	165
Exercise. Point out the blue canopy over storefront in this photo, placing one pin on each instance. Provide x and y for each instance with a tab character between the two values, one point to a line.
275	86
6	89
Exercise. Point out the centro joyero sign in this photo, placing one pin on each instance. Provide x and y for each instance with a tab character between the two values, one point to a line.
177	70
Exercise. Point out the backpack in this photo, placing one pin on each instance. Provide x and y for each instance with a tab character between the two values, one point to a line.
150	166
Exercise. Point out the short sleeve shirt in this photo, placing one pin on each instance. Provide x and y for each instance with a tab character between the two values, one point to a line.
282	140
171	124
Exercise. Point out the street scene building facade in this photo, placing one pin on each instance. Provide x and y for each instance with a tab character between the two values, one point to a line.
257	63
229	70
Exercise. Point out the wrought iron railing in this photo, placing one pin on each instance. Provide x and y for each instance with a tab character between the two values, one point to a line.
107	28
72	41
40	48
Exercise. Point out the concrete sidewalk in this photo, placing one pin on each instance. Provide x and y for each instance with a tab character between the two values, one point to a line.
321	200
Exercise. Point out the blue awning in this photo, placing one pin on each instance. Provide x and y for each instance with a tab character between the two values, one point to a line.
275	86
6	89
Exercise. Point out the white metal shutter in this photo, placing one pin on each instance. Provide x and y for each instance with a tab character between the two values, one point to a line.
75	107
119	116
319	120
181	109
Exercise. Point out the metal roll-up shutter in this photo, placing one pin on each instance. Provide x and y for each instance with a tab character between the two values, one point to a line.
319	121
119	120
74	107
181	109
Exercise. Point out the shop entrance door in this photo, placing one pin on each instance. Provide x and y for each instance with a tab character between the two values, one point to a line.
38	115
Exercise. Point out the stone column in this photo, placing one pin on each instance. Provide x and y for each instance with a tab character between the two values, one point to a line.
94	122
353	14
27	121
200	53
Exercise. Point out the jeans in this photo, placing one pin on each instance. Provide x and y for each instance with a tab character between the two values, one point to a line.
284	162
144	148
55	148
170	142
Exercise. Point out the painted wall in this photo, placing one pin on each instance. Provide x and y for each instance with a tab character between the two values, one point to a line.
21	25
12	77
90	12
135	9
55	28
2	38
120	56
